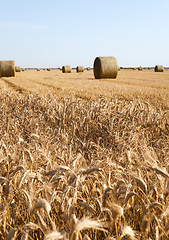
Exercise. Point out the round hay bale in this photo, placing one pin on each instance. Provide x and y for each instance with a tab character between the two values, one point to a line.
140	68
17	69
105	67
118	68
134	68
66	69
48	69
159	68
88	68
79	69
38	69
7	68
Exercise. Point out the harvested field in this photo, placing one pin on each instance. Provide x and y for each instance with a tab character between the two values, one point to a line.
82	158
143	85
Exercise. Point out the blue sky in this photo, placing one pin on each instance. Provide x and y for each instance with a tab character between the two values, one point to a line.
52	33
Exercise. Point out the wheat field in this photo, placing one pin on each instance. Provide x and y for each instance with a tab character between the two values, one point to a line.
82	158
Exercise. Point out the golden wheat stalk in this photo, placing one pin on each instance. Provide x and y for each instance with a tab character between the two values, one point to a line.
141	184
163	173
43	203
127	233
86	223
54	236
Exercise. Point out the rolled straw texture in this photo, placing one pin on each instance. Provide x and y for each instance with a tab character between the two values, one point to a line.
7	68
17	69
66	69
79	69
159	68
105	67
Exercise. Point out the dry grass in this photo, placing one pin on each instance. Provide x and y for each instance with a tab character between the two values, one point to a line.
76	169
